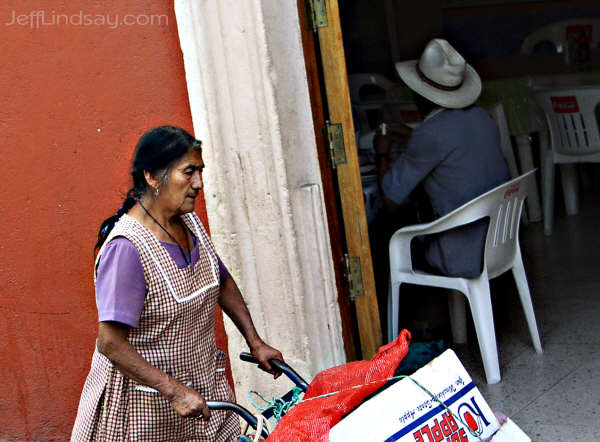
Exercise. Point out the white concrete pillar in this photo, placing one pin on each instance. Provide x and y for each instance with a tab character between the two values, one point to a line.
250	106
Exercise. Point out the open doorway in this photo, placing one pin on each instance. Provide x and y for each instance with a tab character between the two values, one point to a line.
491	36
516	47
348	186
376	35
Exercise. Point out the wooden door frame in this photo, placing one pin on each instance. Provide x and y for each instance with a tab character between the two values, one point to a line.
342	188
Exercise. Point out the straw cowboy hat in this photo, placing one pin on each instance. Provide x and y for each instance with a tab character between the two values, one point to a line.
442	76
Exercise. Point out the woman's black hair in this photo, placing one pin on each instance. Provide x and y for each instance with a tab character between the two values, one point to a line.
155	153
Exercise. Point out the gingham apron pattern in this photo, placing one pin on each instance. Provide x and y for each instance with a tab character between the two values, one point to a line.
176	335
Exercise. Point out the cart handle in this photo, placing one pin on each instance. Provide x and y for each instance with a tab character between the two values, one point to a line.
279	366
238	409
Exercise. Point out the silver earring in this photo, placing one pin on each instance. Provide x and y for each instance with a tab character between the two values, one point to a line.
157	192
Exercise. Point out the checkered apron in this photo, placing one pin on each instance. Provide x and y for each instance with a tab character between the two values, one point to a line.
176	335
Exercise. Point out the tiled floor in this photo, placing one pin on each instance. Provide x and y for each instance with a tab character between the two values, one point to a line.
555	396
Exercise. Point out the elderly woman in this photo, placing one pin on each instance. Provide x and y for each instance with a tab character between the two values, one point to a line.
158	281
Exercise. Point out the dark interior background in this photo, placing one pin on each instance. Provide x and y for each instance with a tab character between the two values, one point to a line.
477	32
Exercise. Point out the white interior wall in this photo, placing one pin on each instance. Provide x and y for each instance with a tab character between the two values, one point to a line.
250	106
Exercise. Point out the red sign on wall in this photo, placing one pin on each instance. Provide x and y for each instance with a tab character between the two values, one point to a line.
579	33
564	105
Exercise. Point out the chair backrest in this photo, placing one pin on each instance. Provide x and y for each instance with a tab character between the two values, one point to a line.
505	203
496	111
556	33
502	205
366	88
571	117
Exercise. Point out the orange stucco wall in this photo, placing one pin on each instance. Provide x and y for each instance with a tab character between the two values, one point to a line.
74	98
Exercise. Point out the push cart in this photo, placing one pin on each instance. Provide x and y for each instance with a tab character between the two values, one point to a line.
244	413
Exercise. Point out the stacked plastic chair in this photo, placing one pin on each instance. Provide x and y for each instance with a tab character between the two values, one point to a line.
574	138
556	34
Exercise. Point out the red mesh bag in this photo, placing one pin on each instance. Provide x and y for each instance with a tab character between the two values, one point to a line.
311	420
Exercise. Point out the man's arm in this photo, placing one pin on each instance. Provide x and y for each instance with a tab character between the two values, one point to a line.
385	136
423	153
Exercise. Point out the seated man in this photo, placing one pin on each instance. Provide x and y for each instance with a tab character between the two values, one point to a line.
455	154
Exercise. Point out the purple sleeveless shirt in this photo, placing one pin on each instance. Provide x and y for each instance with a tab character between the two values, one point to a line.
120	283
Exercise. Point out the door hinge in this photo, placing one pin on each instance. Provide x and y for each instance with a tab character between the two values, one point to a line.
334	134
353	273
317	14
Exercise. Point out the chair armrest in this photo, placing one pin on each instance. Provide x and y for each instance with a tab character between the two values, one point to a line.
400	253
446	222
485	206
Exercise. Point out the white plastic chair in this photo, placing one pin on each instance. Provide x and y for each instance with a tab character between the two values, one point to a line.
556	33
574	138
368	88
368	92
502	252
497	113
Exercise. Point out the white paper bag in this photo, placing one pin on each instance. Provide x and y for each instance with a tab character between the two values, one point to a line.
509	432
404	412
